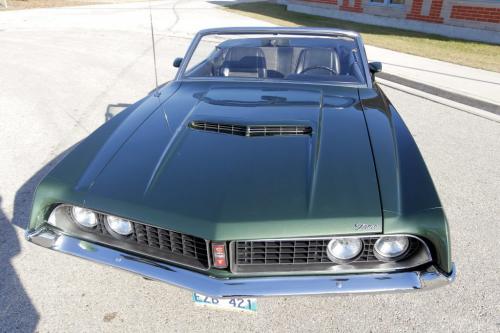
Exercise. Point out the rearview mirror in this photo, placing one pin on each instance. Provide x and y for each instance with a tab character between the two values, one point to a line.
375	67
177	62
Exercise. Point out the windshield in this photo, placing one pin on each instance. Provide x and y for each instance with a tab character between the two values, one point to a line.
296	58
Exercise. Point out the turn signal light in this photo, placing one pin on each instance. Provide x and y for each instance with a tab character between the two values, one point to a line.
219	255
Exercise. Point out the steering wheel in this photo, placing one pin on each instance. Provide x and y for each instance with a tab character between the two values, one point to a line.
331	70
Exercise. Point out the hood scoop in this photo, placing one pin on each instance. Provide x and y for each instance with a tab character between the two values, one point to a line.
251	130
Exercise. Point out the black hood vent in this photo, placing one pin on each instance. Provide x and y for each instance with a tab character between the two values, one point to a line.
251	130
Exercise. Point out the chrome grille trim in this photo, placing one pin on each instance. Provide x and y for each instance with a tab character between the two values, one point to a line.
294	252
174	245
312	258
146	240
251	130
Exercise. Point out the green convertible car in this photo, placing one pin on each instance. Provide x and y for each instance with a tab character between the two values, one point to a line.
273	164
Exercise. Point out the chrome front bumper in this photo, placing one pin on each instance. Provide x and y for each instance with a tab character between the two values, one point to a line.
254	286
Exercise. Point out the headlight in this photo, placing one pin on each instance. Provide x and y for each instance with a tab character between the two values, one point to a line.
390	248
120	226
84	217
342	250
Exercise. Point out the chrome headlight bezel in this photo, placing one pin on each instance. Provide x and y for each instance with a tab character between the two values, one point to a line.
113	223
64	217
338	242
74	213
395	257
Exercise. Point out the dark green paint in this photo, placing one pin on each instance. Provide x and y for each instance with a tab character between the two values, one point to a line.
146	164
409	199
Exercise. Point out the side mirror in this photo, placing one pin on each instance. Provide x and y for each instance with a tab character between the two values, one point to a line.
177	62
375	67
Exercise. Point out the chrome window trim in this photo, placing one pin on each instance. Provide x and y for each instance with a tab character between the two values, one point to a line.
341	270
219	79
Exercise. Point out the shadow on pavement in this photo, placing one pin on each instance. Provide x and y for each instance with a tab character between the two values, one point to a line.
17	313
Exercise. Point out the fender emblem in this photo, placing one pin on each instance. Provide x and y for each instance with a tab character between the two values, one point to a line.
364	226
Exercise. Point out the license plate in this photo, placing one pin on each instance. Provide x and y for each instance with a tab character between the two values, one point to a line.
236	303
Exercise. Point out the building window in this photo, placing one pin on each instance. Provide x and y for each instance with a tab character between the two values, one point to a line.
387	2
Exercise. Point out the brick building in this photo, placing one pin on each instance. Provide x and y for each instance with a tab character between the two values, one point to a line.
468	19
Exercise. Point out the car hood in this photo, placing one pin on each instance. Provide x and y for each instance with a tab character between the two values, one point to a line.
222	186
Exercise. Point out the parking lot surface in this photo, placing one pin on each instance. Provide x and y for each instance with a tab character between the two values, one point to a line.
64	72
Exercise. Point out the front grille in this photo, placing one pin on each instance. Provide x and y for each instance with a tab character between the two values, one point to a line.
251	130
300	255
293	252
169	245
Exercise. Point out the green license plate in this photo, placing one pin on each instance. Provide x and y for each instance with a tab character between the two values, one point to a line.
236	303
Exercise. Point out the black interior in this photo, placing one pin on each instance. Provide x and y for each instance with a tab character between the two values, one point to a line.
318	61
244	62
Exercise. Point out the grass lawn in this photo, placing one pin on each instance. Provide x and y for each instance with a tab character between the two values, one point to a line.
473	54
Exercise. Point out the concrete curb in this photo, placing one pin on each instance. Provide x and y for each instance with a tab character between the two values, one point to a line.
459	106
460	98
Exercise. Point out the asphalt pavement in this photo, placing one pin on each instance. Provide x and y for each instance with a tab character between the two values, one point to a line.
65	71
